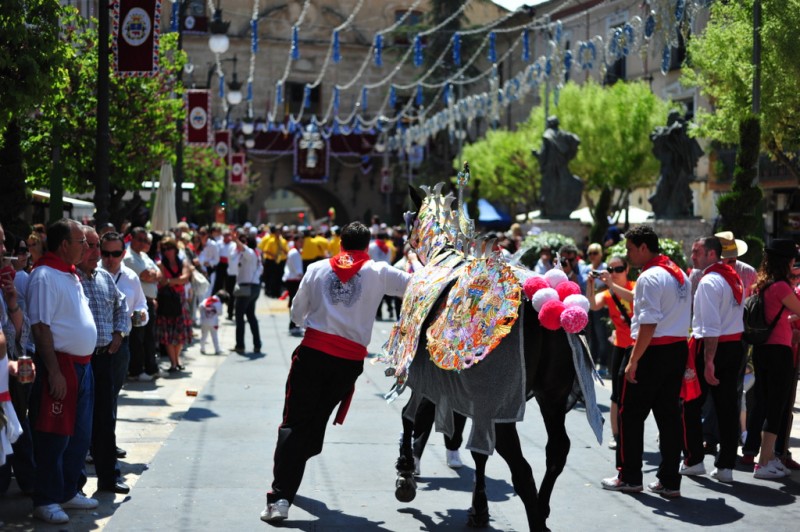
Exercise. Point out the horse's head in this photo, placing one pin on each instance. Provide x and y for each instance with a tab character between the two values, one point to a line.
429	227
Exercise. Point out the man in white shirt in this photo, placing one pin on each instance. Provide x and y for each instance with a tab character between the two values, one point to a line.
662	309
336	302
61	402
717	347
143	339
248	277
292	275
208	258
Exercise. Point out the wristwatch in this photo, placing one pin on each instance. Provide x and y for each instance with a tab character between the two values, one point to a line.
122	334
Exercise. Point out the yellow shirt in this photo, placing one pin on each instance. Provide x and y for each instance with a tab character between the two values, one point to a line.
274	247
335	245
314	247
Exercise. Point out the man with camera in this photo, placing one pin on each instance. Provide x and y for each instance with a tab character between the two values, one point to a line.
570	263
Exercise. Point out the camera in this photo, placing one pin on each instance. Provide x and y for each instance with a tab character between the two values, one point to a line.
594	273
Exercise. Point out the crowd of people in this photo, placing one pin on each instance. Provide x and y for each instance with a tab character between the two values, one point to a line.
94	306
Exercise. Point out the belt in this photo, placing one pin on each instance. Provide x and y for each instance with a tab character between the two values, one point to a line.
101	350
666	340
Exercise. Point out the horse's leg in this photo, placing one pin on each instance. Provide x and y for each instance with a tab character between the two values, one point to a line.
405	485
479	512
510	449
556	451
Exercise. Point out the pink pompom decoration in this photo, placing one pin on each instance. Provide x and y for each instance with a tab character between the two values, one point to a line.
574	319
577	300
543	296
533	285
550	315
568	288
555	277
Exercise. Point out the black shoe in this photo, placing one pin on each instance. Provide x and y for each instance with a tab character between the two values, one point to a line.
239	350
121	453
116	487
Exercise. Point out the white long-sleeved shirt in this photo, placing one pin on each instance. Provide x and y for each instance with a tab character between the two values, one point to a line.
293	270
659	299
324	303
716	312
129	284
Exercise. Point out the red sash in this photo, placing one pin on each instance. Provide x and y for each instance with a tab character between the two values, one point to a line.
665	262
347	263
730	276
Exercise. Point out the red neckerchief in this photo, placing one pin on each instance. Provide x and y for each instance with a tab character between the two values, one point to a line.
382	245
211	301
57	263
732	278
347	263
667	264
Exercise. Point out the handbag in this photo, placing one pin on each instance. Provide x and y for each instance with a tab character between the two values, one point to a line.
242	290
169	302
200	284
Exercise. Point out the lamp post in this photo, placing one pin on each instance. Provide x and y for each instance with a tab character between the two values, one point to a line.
217	43
102	159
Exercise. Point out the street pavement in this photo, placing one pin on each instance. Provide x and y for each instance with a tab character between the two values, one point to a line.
204	463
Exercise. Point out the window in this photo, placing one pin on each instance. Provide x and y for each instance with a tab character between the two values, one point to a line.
293	99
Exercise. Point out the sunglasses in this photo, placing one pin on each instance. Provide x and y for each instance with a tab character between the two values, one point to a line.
594	253
115	254
617	269
564	262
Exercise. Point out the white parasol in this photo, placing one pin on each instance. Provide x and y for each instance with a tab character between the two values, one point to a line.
164	217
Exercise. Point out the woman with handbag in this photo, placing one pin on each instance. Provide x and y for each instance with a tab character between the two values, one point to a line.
174	322
618	299
247	289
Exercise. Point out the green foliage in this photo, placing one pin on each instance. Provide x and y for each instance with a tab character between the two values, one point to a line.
204	168
32	57
143	114
721	58
534	244
671	248
614	125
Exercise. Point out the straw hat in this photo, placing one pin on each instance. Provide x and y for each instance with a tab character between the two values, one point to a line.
731	247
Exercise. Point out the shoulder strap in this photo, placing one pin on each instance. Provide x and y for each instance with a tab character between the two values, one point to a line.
620	307
764	302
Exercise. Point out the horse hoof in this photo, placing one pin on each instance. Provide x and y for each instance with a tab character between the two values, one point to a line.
478	519
405	488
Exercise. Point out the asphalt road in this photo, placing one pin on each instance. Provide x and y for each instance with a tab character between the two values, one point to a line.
204	463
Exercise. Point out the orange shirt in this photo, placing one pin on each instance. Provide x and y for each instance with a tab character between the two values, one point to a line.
623	329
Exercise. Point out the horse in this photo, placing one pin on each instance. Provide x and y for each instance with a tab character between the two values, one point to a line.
528	361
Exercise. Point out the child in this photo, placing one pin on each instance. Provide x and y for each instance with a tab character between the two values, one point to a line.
210	310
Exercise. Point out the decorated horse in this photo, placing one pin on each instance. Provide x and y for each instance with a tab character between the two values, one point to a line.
479	336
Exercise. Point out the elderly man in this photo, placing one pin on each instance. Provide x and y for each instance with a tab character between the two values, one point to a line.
336	301
110	312
717	347
63	394
143	365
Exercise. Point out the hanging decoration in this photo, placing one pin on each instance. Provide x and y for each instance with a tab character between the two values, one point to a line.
457	49
136	28
379	50
295	45
364	100
336	54
526	45
493	47
238	176
198	117
417	51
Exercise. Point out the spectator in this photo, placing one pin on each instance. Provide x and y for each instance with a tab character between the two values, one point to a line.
570	263
173	326
210	311
379	251
598	332
247	279
545	262
143	365
273	249
208	258
292	275
65	336
35	247
336	301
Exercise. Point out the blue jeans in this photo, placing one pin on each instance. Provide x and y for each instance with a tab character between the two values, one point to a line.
246	306
60	459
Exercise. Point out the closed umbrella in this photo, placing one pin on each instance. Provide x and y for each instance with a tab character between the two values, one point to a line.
164	216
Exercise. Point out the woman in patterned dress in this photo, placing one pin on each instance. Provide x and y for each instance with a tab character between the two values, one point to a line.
174	331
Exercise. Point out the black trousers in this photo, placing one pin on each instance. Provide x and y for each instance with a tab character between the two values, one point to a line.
317	382
272	278
292	287
143	345
104	441
423	424
219	280
659	375
727	369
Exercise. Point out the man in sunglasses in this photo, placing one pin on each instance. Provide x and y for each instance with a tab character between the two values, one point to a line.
143	365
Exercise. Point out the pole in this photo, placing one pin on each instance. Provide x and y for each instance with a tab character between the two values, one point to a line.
102	158
180	123
757	74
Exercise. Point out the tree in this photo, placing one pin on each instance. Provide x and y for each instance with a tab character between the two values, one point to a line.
30	70
142	119
204	168
615	153
720	61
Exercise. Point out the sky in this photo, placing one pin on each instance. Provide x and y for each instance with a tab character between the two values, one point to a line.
514	4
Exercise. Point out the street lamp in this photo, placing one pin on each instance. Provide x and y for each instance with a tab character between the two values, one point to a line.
218	42
234	95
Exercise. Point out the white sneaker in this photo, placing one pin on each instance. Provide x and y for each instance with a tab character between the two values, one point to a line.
416	466
697	469
80	502
276	511
723	475
768	471
779	466
203	351
51	513
144	377
454	459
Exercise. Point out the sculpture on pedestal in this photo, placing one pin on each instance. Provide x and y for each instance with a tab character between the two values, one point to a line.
560	191
678	155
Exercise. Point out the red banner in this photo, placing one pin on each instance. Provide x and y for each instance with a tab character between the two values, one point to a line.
198	117
136	26
222	145
238	175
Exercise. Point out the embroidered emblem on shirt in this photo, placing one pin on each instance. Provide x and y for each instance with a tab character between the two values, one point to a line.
345	294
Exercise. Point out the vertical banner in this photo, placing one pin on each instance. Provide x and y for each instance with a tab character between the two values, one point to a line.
136	26
222	146
198	117
238	176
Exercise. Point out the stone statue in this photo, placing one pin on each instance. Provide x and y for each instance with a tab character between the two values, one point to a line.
678	155
561	191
